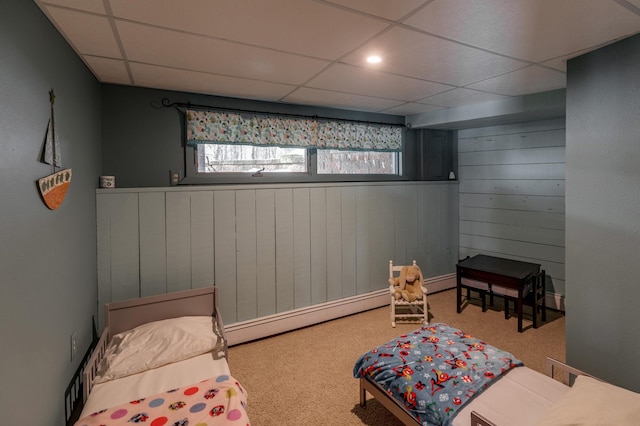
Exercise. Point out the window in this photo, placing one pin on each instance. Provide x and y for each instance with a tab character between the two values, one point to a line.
235	147
331	161
233	158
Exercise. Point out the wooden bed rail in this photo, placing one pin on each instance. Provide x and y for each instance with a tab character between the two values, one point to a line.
218	318
555	369
478	420
560	371
74	396
383	398
91	369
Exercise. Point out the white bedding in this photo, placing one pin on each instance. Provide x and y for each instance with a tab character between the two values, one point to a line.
157	343
520	398
151	382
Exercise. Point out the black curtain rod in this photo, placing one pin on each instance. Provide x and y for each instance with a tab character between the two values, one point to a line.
168	104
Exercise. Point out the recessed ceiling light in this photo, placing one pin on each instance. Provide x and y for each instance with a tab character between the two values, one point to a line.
374	59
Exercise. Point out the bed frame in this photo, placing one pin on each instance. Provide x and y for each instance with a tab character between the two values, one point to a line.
128	314
387	401
553	368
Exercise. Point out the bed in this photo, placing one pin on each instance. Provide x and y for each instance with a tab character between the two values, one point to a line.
439	375
162	360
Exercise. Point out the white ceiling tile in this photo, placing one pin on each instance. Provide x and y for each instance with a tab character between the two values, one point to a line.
460	96
533	30
87	33
198	53
411	108
309	96
532	79
108	70
305	27
369	82
197	82
392	10
422	56
435	52
95	6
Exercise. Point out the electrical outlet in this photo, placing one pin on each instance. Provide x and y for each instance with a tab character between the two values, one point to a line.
74	345
175	176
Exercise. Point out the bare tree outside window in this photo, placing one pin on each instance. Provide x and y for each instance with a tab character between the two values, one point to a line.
234	158
357	162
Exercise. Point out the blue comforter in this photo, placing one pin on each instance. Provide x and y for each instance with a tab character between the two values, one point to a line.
434	370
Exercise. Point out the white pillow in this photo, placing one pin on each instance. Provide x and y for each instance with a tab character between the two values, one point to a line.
159	343
591	402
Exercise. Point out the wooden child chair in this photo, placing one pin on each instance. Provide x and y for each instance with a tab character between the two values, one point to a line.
402	310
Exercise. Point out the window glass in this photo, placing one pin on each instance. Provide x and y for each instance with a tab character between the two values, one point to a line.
234	158
340	162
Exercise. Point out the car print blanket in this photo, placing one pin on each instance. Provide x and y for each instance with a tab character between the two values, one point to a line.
434	370
216	401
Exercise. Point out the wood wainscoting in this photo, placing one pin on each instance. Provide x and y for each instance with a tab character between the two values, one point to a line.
271	249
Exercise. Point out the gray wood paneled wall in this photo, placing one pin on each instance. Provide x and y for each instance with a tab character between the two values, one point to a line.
271	248
512	194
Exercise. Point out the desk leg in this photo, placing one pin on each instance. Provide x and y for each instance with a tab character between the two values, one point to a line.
536	298
458	289
544	295
520	309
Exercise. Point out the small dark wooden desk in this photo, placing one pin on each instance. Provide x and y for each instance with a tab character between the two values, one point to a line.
497	271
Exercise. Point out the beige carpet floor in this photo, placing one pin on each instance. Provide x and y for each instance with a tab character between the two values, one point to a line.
305	377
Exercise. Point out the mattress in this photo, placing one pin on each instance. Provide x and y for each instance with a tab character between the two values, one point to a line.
150	382
521	397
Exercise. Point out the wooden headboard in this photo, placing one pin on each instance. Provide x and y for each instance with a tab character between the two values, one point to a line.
128	314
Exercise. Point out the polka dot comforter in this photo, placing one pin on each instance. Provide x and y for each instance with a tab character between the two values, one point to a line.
217	401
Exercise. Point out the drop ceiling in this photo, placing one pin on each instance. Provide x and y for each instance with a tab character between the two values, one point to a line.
436	54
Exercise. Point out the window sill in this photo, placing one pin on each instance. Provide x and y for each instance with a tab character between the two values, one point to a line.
302	178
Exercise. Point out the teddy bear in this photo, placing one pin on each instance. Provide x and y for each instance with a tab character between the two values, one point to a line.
408	285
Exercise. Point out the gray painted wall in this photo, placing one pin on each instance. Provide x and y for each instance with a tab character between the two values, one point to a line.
512	195
47	258
272	248
603	212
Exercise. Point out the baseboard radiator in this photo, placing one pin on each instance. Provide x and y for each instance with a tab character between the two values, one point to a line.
245	331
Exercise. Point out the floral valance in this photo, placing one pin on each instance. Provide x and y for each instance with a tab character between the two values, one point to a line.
230	127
